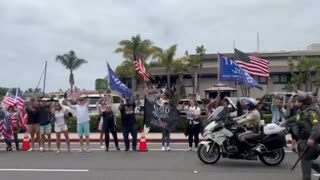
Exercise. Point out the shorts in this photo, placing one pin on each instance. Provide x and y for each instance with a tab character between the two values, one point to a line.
100	124
83	129
61	128
34	128
45	129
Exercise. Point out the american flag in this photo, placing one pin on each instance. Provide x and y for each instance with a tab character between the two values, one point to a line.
20	103
75	94
20	99
9	99
139	66
3	129
253	65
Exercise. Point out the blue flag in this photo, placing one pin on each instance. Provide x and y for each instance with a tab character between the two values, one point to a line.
117	85
231	71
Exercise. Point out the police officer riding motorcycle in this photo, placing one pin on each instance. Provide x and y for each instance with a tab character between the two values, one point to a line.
306	127
242	138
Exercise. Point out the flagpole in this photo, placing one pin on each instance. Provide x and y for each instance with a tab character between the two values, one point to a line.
44	80
218	67
15	99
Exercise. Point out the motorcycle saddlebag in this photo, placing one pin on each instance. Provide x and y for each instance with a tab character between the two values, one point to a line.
274	141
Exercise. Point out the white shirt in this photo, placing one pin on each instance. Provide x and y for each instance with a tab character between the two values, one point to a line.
82	113
59	118
190	114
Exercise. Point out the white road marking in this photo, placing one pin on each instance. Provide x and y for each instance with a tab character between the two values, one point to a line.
317	175
47	170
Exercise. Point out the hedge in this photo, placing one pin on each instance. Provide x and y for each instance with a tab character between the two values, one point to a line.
180	127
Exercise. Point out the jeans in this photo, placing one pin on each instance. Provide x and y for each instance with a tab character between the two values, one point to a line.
16	141
194	132
113	131
166	137
133	131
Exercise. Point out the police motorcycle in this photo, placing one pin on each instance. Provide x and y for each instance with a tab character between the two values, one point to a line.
222	140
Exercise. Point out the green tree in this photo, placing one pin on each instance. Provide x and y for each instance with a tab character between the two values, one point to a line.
180	67
71	62
166	57
126	69
3	91
133	49
201	51
101	84
308	72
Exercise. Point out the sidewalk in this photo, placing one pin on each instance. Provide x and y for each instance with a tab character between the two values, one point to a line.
151	137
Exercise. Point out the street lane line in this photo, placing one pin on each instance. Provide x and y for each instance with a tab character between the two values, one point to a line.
317	175
47	170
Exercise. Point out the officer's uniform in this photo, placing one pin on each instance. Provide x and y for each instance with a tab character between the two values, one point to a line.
306	125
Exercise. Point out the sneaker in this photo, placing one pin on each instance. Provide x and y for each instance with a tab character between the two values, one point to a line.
189	149
195	149
107	149
88	150
102	147
127	149
31	149
58	151
118	149
134	149
168	148
163	148
81	150
41	149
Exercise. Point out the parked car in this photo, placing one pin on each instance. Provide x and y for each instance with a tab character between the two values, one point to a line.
115	101
184	103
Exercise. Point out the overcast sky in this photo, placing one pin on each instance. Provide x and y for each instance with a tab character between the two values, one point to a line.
32	31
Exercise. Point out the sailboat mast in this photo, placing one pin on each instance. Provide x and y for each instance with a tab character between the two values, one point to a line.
44	80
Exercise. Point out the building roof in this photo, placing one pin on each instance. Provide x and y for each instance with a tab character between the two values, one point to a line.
270	55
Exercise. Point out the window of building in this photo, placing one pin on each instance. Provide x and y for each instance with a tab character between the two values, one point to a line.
187	82
284	78
262	80
276	78
281	78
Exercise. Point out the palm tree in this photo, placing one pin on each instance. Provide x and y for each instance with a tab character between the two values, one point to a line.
134	49
71	62
180	67
166	57
201	51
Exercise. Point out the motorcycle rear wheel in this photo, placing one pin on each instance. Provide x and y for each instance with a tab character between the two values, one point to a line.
210	157
273	158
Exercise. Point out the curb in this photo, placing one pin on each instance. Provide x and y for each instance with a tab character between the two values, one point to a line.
122	140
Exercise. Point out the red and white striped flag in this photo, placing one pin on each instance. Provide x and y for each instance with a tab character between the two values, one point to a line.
139	66
75	94
253	65
9	99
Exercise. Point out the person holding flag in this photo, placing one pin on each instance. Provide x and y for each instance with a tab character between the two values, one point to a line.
33	123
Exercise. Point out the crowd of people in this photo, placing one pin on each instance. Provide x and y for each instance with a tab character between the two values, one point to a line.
300	114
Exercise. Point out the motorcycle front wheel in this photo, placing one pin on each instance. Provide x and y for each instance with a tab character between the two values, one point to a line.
273	158
210	157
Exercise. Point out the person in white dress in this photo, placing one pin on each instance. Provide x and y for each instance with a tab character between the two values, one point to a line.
60	126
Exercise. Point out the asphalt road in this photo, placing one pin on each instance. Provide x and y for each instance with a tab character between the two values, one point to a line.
155	165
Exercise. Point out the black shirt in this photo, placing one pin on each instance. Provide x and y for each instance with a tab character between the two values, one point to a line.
32	116
108	120
128	117
43	115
